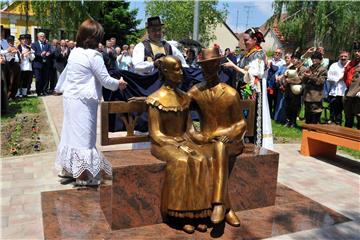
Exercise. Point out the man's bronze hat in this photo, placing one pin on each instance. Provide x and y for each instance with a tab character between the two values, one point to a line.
153	21
210	54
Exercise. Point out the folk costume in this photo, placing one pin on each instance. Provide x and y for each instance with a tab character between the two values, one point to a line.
352	94
313	91
146	52
12	70
26	74
252	85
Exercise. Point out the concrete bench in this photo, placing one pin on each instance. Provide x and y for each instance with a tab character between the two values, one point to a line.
322	140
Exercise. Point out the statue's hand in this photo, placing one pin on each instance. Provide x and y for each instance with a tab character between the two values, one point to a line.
223	139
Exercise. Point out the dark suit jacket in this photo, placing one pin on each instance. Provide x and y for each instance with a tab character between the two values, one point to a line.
40	61
60	60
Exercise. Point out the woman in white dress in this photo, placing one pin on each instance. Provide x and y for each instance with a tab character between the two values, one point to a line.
81	83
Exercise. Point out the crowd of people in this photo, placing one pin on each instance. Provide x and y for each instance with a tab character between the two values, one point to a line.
308	79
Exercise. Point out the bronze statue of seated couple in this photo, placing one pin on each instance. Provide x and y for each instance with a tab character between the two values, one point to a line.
195	188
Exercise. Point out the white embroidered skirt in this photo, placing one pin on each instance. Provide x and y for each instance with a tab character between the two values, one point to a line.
77	149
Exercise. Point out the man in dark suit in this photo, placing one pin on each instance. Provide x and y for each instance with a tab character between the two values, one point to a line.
40	63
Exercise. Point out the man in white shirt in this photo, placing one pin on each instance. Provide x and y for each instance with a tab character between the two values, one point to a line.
337	87
153	47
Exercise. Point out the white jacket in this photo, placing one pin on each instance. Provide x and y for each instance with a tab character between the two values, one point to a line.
84	75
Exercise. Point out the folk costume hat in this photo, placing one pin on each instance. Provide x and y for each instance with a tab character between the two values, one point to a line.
153	21
10	38
210	54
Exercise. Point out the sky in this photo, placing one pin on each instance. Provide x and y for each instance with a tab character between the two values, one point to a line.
259	12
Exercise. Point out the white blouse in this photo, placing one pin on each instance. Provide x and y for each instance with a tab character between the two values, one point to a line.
335	80
25	64
84	75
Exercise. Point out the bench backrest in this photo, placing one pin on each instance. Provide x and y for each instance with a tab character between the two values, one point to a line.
127	110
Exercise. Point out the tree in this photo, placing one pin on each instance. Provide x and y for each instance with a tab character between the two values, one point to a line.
178	17
115	17
333	22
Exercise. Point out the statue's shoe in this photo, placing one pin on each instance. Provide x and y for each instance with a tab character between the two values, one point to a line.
201	227
232	219
189	228
218	214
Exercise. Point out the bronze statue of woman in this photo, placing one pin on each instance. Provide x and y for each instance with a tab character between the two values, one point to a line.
187	191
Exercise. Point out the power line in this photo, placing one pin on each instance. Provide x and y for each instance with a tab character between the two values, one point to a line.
247	10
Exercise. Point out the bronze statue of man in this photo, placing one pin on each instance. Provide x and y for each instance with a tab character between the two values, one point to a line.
222	128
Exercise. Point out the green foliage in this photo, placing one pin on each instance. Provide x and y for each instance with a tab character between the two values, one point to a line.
115	17
333	22
178	17
118	21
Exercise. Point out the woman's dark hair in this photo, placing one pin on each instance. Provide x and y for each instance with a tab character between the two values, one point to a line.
89	35
255	33
317	55
356	45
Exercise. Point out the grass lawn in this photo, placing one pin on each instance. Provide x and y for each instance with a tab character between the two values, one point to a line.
25	128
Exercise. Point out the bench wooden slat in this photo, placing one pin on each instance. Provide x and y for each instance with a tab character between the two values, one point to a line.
126	107
339	131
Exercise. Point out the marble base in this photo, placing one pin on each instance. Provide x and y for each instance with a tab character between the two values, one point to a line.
133	197
76	214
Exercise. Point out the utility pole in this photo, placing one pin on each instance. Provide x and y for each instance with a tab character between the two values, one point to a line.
196	21
247	10
237	21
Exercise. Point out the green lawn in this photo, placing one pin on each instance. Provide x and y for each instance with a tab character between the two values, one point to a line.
284	134
22	105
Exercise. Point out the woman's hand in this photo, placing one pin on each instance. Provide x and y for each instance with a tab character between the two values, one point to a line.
122	84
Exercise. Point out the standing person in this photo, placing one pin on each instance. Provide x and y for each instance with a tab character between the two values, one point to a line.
12	72
124	60
52	69
293	77
352	94
280	113
110	55
146	52
337	87
27	56
4	98
113	43
81	83
61	56
41	63
314	80
251	85
275	63
131	49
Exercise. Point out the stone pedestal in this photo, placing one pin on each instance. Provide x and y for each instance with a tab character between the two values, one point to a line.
132	198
